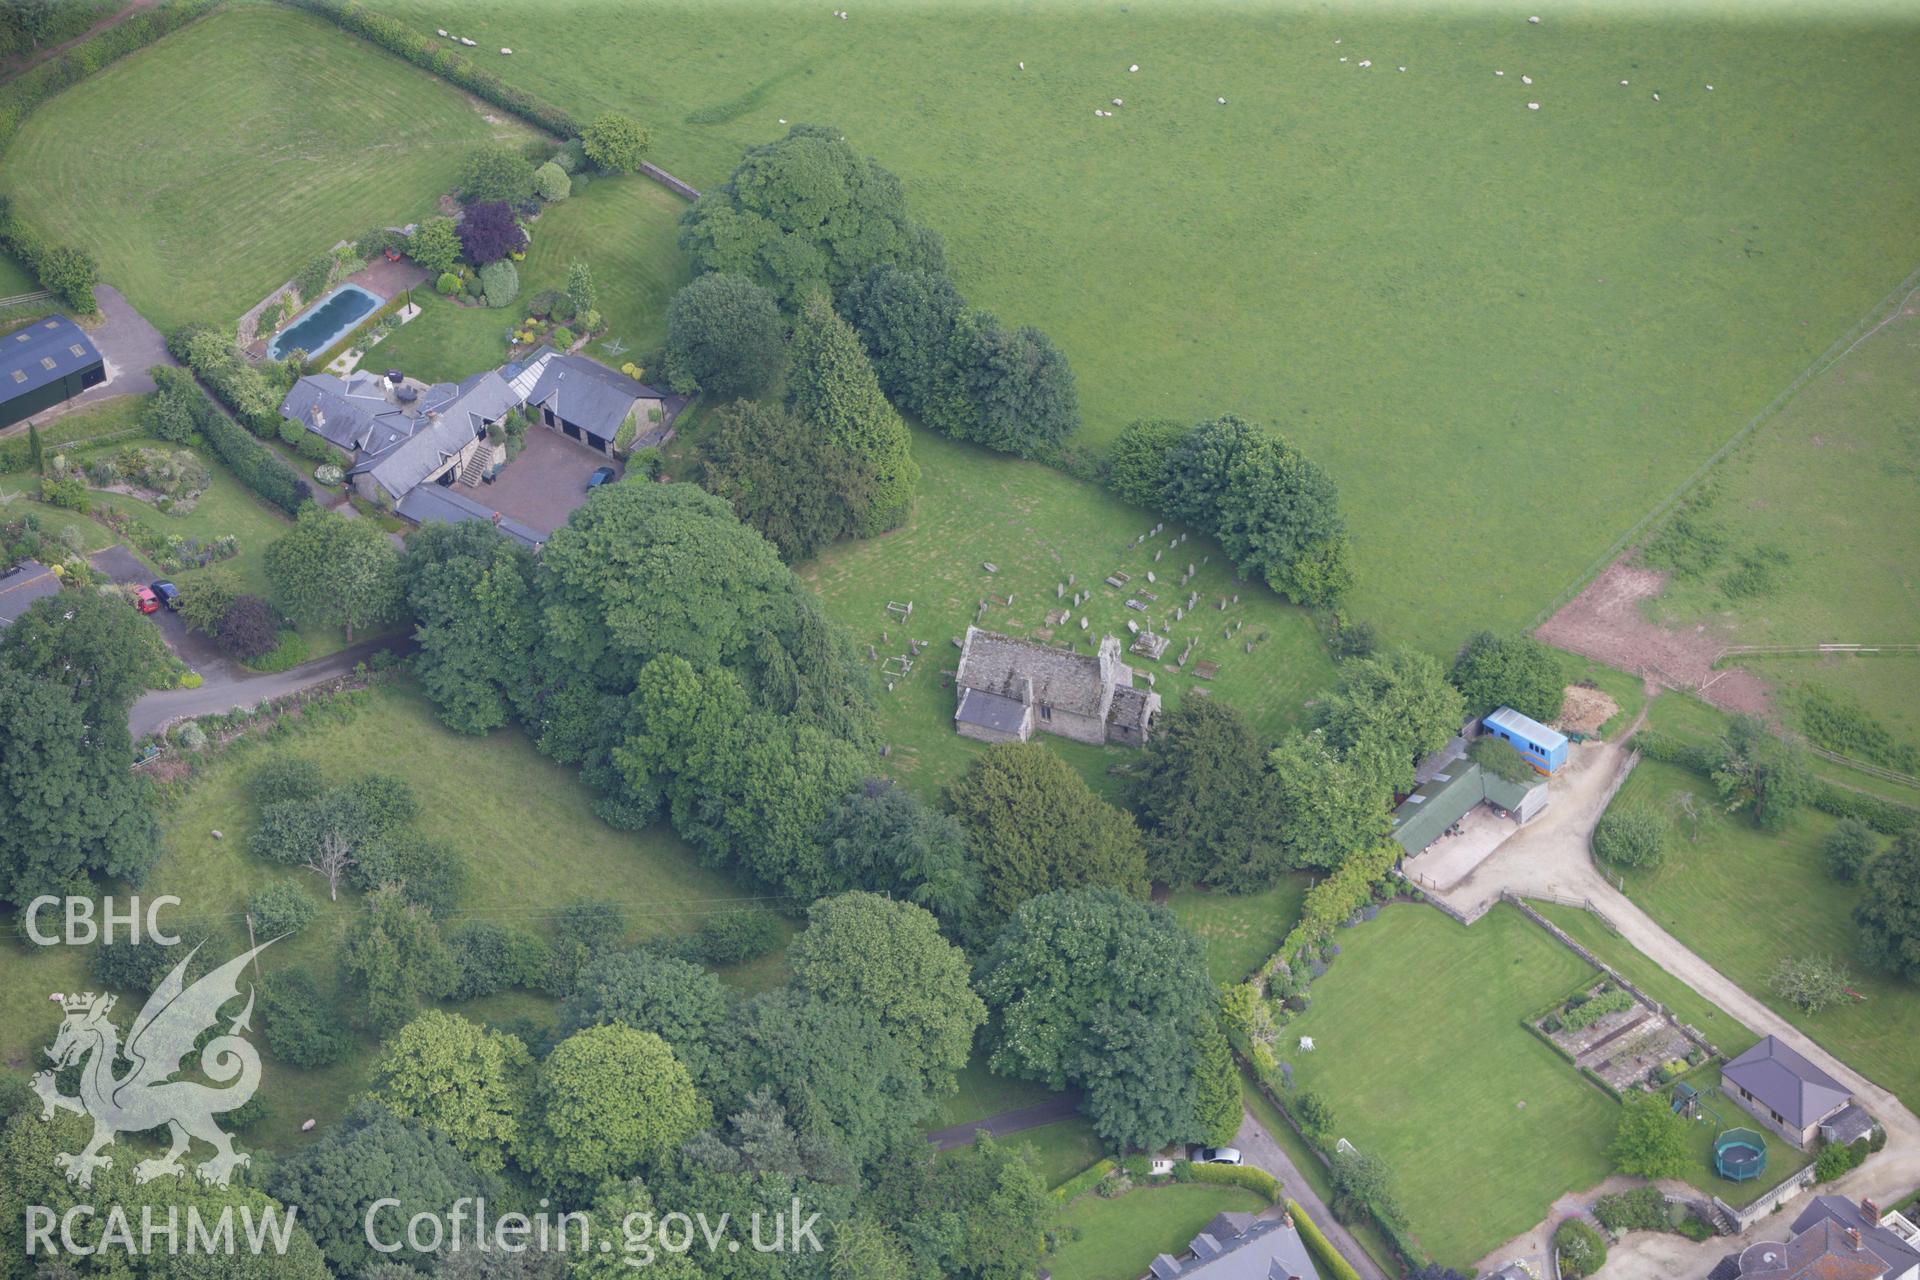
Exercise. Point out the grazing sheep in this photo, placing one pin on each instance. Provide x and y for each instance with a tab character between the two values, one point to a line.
442	33
1223	102
1403	68
1343	58
1535	20
504	50
1526	79
1134	67
1023	66
1656	97
1118	103
1623	83
1709	88
1366	62
1533	106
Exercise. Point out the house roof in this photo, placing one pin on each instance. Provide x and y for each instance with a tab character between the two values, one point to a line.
1784	1081
990	711
21	585
1824	1251
1845	1214
42	352
1132	708
584	392
1026	672
436	502
405	465
1527	727
1238	1246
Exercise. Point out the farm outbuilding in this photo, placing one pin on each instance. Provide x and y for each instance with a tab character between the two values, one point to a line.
1543	748
43	364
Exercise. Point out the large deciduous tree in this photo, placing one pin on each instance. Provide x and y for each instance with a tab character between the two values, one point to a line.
1091	988
1889	910
1205	801
335	572
647	990
70	667
1651	1140
1389	710
889	959
910	323
1513	671
609	1102
724	337
1137	463
832	388
459	1079
470	591
1019	385
434	245
395	959
490	172
1036	826
1756	769
978	1213
885	838
1327	809
489	232
802	213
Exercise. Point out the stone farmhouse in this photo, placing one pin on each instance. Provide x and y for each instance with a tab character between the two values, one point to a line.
1833	1239
1792	1097
1009	688
402	433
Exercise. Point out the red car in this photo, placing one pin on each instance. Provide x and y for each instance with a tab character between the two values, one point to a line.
145	601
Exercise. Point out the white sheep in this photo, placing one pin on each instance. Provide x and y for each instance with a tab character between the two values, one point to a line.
1535	20
1499	73
506	50
1134	67
1118	103
1709	88
1023	66
1343	58
1623	83
1366	62
1223	102
442	33
1533	106
1526	79
1403	68
1656	97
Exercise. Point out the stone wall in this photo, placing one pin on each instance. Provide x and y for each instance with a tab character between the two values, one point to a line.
1744	1218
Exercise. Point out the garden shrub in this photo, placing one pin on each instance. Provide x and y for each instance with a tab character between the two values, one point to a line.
1632	835
448	283
302	1029
1258	1181
563	337
289	650
732	937
1836	720
69	492
500	282
1836	1159
67	271
1848	848
551	183
250	630
1582	1251
1084	1181
314	277
1641	1209
494	957
1331	1265
1587	1012
285	777
190	736
329	474
281	907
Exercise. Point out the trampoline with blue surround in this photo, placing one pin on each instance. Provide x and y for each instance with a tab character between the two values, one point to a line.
1740	1155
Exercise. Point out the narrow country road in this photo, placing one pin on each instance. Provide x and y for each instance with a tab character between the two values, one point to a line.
1063	1107
1261	1151
1551	857
228	686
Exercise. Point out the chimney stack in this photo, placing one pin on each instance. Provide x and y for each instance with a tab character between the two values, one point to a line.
1870	1211
1853	1238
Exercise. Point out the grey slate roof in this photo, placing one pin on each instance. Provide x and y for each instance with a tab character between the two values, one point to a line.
1783	1080
399	443
405	465
21	585
1824	1251
1850	1125
990	711
1238	1246
584	392
1896	1253
1059	678
353	413
436	502
1132	708
42	352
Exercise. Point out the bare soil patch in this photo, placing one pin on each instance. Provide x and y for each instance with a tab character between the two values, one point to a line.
1584	710
1606	622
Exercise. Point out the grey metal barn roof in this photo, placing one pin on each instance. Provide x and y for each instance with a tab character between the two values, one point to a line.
584	392
1780	1078
42	352
435	502
21	585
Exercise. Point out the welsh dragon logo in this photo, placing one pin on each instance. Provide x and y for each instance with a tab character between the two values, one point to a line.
147	1096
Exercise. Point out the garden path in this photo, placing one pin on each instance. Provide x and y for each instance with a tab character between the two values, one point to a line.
1552	858
1262	1152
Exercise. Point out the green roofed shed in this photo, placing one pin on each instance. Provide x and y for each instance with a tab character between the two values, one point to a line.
1436	805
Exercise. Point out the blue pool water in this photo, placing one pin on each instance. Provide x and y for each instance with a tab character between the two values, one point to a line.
326	322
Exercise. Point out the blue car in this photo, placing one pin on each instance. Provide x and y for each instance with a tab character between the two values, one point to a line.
600	476
167	594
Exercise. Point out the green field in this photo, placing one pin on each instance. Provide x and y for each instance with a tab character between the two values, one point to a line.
1822	482
205	170
1240	930
1419	1047
15	278
1118	1239
1439	293
1037	526
523	821
623	228
1743	899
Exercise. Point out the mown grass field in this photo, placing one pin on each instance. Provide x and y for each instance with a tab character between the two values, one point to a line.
1037	526
1827	482
1419	1047
1240	930
523	822
1532	323
623	228
1119	1239
1744	899
206	169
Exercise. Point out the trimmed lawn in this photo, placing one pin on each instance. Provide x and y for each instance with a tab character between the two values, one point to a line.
1118	1239
1744	899
1357	257
1037	526
1240	930
1419	1047
1720	1114
205	170
981	1093
446	342
1060	1150
524	822
625	229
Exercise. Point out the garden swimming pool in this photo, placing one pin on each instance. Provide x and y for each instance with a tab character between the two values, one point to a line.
326	322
